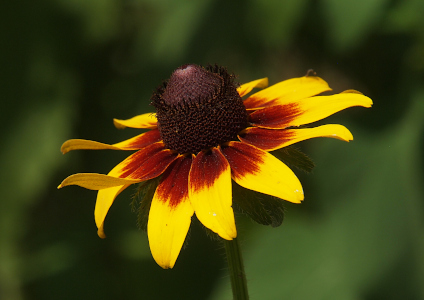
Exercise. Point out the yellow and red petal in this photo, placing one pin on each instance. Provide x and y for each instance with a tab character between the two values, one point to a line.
246	88
210	193
141	121
287	91
135	143
147	163
93	181
260	171
273	139
170	213
307	110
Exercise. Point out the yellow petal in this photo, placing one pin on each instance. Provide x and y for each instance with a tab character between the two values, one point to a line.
260	171
170	214
308	110
104	201
93	181
273	139
210	193
320	107
245	89
287	91
135	143
141	121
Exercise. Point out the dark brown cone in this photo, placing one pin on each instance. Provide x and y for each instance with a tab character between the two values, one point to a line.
199	108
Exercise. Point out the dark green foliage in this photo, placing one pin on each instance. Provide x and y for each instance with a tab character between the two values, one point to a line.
142	201
212	235
294	158
263	209
71	66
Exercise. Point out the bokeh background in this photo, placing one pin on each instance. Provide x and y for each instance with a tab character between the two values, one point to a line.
70	66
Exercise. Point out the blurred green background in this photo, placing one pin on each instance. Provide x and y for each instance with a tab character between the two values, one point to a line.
70	66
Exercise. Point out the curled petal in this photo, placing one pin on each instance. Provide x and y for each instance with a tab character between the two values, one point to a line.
307	110
287	91
141	121
105	198
146	163
93	181
245	89
135	143
273	139
210	193
170	214
104	201
260	171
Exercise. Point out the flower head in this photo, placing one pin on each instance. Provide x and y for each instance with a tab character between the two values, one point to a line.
204	135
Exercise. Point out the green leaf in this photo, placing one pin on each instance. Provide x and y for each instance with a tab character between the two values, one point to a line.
142	201
294	158
263	209
349	22
275	22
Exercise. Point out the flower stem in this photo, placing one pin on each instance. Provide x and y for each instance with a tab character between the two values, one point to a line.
236	270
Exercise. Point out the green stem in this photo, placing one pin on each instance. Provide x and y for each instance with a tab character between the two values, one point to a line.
236	269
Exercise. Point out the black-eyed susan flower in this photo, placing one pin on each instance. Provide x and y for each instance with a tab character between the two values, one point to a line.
202	136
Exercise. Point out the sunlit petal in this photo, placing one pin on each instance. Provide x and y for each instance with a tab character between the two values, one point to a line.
287	91
141	121
260	171
245	89
307	110
93	181
135	143
273	139
170	214
210	193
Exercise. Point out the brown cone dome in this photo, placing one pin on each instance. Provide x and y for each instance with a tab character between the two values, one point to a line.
199	108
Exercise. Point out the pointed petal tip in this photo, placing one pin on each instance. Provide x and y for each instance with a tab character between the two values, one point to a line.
117	124
246	88
65	147
146	121
297	198
229	237
300	195
165	265
101	233
366	101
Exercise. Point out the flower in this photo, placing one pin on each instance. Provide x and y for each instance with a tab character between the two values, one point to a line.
204	135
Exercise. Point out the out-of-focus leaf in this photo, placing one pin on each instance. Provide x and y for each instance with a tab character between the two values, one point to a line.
274	22
406	16
143	200
349	22
29	157
294	158
134	245
374	192
263	209
99	17
177	23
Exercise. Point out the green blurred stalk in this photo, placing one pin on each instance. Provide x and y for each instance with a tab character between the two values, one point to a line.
236	270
